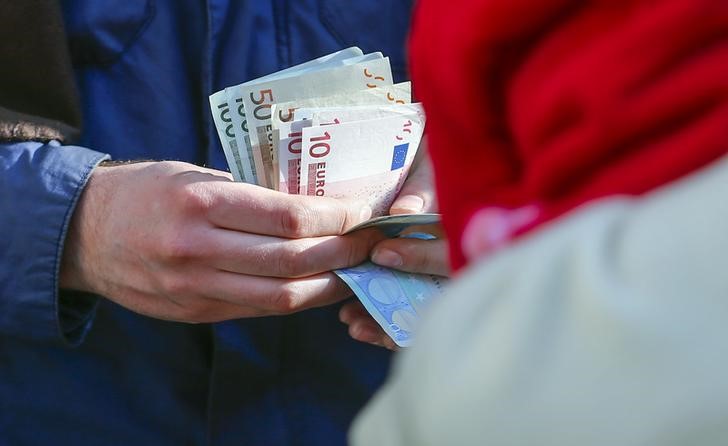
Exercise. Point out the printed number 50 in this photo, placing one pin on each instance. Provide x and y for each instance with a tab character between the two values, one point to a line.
261	106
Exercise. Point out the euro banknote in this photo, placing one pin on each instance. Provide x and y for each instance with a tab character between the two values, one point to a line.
336	126
366	160
287	125
393	225
242	139
224	125
395	299
237	111
260	96
290	147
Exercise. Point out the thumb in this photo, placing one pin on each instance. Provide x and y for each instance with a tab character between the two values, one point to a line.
418	192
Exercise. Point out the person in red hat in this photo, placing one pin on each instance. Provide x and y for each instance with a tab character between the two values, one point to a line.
579	151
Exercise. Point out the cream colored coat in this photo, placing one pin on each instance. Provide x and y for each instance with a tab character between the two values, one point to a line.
610	327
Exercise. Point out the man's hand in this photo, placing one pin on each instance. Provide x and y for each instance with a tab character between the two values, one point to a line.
412	255
179	242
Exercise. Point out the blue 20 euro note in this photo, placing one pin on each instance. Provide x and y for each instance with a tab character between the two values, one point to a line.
393	298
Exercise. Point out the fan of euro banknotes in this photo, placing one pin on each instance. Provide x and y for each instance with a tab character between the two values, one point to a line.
336	126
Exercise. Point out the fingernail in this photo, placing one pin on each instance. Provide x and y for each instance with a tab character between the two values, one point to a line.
387	257
366	213
411	203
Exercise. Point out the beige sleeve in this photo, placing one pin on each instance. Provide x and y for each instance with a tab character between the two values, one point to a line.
610	327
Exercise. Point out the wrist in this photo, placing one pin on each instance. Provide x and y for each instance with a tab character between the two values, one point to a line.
85	231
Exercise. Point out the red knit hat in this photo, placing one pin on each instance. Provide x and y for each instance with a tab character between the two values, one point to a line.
535	107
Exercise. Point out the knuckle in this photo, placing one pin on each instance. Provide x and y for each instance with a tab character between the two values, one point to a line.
420	259
194	198
286	300
295	221
177	248
292	260
352	253
345	217
359	250
165	167
423	257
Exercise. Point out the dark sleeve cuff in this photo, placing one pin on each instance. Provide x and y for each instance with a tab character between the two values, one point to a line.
40	185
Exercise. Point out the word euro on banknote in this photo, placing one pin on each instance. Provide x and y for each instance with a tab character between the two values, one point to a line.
287	125
223	100
259	97
366	160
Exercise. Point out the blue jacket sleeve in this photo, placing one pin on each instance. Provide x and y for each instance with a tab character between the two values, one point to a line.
39	187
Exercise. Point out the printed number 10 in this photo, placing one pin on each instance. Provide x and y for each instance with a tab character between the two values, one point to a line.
320	149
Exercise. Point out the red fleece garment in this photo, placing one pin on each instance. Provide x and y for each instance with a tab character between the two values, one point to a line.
558	102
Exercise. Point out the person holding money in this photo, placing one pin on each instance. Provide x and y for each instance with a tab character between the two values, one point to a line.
180	253
581	156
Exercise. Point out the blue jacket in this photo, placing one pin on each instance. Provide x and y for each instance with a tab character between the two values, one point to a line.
78	369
